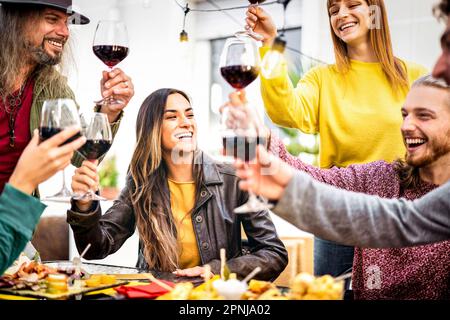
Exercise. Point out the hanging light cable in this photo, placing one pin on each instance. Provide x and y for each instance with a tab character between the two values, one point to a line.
183	34
271	65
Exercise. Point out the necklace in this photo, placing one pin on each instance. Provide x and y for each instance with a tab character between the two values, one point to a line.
13	103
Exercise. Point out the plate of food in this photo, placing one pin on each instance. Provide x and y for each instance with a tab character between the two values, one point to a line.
34	279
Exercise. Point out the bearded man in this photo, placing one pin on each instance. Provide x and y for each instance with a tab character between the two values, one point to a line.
33	36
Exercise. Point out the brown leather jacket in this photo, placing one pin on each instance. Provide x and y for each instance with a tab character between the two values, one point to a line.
215	226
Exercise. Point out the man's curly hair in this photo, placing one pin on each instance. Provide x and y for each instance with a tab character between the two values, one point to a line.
442	10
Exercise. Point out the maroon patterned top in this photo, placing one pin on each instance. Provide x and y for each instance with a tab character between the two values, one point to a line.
9	156
421	272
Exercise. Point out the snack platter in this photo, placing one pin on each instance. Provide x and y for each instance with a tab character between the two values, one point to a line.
54	280
72	292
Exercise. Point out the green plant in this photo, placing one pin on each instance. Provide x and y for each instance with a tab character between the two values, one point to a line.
108	173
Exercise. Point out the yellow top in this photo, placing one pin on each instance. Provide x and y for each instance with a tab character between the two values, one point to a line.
182	201
357	116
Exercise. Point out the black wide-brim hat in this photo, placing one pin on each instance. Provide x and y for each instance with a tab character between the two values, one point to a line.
63	5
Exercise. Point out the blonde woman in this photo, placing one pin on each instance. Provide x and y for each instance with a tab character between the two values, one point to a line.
354	104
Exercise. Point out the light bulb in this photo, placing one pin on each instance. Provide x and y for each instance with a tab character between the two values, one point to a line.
272	64
184	36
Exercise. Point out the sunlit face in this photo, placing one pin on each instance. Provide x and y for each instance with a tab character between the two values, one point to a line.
48	36
350	20
442	67
426	125
179	128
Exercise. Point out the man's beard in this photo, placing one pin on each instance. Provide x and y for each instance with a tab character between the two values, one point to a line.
41	57
437	150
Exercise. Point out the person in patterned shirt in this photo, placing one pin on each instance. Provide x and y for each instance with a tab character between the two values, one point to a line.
421	272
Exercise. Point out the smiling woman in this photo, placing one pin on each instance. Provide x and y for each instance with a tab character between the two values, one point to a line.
364	22
180	200
179	127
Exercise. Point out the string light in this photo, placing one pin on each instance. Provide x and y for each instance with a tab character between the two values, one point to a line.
227	9
279	44
184	37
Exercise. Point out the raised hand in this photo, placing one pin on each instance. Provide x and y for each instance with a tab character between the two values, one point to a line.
267	176
260	22
120	85
85	178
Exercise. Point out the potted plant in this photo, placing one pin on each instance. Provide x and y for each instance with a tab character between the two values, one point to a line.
108	175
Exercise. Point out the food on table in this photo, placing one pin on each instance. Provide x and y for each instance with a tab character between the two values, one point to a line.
26	274
186	291
93	282
57	283
231	289
262	290
97	280
307	287
107	279
181	291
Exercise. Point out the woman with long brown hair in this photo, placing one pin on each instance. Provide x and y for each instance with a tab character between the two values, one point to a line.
354	104
180	200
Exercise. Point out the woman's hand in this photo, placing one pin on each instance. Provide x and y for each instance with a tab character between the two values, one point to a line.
193	272
40	161
85	178
260	22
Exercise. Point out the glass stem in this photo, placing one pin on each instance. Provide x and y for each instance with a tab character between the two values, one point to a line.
64	178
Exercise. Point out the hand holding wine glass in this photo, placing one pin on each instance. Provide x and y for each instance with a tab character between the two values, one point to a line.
40	161
111	47
85	179
261	24
240	66
267	176
95	127
249	31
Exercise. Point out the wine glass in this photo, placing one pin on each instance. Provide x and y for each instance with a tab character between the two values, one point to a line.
239	65
249	32
111	47
56	115
95	127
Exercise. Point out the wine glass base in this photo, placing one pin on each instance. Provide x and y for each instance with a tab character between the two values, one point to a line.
252	207
89	196
62	196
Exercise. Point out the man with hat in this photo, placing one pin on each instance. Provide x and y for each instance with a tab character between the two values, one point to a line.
33	35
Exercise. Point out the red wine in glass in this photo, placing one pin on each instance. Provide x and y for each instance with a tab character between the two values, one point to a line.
239	76
56	115
111	47
242	147
94	149
48	132
110	55
95	127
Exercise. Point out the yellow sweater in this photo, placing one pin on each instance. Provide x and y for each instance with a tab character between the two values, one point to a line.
357	116
182	201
